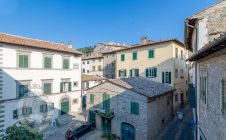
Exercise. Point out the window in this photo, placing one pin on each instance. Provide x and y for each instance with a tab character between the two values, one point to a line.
134	73
203	88
26	111
23	60
176	52
166	77
122	73
65	86
47	62
223	97
134	108
122	57
47	88
87	71
94	68
65	63
87	62
176	97
84	70
151	53
15	114
151	72
83	63
176	73
91	98
181	53
43	108
182	73
99	68
75	84
134	55
23	89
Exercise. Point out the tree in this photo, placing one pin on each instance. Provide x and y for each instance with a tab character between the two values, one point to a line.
22	132
87	50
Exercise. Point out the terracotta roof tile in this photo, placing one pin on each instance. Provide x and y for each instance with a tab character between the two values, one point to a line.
35	43
91	78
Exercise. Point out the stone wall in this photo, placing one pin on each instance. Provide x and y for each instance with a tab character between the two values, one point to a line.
211	122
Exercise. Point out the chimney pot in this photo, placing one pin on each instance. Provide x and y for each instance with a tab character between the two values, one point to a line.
69	44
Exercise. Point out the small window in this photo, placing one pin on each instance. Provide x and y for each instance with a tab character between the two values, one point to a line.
87	71
23	60
43	108
122	57
87	62
166	77
134	73
15	114
176	52
134	108
122	73
23	89
47	62
151	72
99	68
66	63
65	86
151	53
176	73
47	88
182	73
134	55
91	98
84	70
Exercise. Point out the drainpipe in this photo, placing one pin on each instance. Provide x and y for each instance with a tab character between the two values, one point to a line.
195	110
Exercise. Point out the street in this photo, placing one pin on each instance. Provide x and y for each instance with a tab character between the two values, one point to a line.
179	129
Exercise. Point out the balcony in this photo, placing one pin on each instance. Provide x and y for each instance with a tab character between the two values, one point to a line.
103	113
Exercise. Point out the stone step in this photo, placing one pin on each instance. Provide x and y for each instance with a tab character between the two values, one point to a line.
65	119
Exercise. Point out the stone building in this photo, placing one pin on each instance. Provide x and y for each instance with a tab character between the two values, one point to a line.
205	34
161	61
108	47
110	65
131	108
40	81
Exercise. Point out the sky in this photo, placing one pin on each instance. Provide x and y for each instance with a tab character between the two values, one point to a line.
87	22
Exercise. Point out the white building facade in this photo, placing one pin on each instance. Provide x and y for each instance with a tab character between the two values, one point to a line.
40	81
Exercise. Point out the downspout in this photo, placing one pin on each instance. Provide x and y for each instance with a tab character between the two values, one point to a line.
196	85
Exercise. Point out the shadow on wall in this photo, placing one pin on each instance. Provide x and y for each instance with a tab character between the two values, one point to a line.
34	104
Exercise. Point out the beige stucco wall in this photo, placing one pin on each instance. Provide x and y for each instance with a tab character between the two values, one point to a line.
93	62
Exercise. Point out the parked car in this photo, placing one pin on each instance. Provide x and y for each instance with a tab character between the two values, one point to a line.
75	133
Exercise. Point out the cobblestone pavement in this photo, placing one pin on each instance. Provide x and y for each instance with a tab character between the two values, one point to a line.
179	129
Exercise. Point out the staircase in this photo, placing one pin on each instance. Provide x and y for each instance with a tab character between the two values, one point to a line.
65	119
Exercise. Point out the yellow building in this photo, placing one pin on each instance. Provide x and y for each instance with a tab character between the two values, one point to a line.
162	61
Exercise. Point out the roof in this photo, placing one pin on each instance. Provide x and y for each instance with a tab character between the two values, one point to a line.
191	21
152	43
91	78
35	43
212	47
93	56
143	86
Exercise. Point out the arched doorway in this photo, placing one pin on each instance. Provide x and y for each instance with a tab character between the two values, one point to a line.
64	106
128	131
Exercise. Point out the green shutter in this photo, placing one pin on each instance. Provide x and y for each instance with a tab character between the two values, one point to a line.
69	86
169	77
137	72
65	63
137	109
163	78
91	98
25	61
155	72
15	114
47	88
151	53
122	57
147	73
134	108
47	62
131	73
134	55
21	61
119	73
61	87
106	103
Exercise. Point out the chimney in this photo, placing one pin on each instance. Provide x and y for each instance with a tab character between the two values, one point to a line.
69	44
144	40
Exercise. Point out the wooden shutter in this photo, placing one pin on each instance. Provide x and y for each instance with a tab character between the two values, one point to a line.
137	72
155	72
136	108
153	53
69	86
25	61
21	61
61	87
147	72
119	73
134	55
163	78
150	53
131	73
170	77
224	96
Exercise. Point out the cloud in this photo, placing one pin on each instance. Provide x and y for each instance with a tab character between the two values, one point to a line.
8	7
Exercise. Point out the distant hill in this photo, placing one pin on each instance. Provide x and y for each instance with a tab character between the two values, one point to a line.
87	50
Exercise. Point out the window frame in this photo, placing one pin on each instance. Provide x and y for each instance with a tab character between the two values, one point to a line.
134	108
151	72
134	55
151	53
43	86
23	83
120	73
63	65
122	58
28	54
51	58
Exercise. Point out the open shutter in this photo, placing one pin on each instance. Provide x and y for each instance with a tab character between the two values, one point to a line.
147	73
69	86
163	78
25	61
169	77
137	72
131	74
61	87
155	72
119	73
153	53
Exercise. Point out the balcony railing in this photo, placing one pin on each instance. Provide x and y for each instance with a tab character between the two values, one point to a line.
106	114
